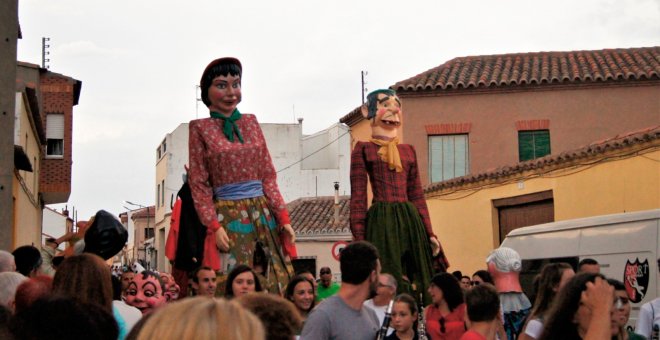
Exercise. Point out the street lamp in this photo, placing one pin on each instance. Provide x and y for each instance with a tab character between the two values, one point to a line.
135	204
147	227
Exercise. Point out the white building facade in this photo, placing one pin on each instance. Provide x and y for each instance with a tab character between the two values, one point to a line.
55	225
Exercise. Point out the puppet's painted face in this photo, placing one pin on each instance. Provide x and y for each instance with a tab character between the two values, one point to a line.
145	293
388	116
225	94
172	289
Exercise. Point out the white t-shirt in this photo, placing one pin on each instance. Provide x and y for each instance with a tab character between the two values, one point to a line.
534	328
130	314
380	312
649	315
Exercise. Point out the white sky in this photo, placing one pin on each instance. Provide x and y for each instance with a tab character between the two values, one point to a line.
139	62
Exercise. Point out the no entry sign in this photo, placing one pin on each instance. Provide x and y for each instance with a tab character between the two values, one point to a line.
337	248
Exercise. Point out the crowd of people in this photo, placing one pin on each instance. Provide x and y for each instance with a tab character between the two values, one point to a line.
85	299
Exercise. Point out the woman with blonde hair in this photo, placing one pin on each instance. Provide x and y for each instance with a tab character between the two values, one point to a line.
203	318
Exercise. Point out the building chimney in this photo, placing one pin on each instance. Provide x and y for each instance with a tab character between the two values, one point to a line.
336	202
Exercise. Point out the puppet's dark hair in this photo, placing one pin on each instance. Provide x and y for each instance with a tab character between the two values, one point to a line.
372	101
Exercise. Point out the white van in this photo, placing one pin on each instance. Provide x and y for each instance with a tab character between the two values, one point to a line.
625	245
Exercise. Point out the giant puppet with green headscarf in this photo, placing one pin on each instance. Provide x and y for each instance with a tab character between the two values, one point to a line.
397	222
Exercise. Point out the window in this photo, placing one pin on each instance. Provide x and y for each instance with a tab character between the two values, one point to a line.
158	196
55	135
533	144
448	157
162	193
148	233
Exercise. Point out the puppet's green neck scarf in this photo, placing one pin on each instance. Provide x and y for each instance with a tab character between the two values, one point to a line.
230	126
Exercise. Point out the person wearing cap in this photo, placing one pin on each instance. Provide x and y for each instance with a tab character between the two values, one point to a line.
398	221
326	287
234	184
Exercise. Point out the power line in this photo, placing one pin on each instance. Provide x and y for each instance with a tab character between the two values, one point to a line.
302	159
311	154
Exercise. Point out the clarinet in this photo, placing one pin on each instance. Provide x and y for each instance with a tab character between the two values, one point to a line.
382	332
421	320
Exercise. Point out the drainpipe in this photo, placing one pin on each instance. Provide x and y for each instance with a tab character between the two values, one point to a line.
336	202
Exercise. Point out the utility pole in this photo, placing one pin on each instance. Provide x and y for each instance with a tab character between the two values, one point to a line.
364	89
198	99
44	53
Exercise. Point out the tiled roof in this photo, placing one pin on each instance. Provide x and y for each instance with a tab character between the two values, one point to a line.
314	216
538	68
352	117
142	213
648	135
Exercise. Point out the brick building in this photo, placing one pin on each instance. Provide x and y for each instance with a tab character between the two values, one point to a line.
42	138
59	95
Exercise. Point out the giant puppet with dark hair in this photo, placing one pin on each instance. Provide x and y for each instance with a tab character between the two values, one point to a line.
234	184
397	222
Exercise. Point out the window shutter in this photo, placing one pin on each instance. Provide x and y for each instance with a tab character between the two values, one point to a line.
533	144
448	157
525	145
54	126
542	143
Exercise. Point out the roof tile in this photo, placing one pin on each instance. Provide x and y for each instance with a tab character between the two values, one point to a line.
538	68
315	216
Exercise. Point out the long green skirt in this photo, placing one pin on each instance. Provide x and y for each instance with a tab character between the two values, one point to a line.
398	232
254	241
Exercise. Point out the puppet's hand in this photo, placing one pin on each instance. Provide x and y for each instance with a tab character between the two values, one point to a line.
289	230
222	240
435	246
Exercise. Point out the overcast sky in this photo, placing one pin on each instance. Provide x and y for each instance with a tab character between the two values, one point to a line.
139	62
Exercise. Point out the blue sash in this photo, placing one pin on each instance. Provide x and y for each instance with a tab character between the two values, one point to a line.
238	191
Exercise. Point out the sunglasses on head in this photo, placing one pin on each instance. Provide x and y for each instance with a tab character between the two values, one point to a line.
619	302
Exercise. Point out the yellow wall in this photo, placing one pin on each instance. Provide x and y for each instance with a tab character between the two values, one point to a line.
161	232
161	174
360	132
27	208
466	221
27	230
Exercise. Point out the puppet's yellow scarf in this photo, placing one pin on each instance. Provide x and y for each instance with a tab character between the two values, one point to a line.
389	153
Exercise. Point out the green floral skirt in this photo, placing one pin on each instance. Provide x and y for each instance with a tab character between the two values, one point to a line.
254	241
398	232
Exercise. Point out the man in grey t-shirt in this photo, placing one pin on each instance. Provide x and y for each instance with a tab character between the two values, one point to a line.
343	315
